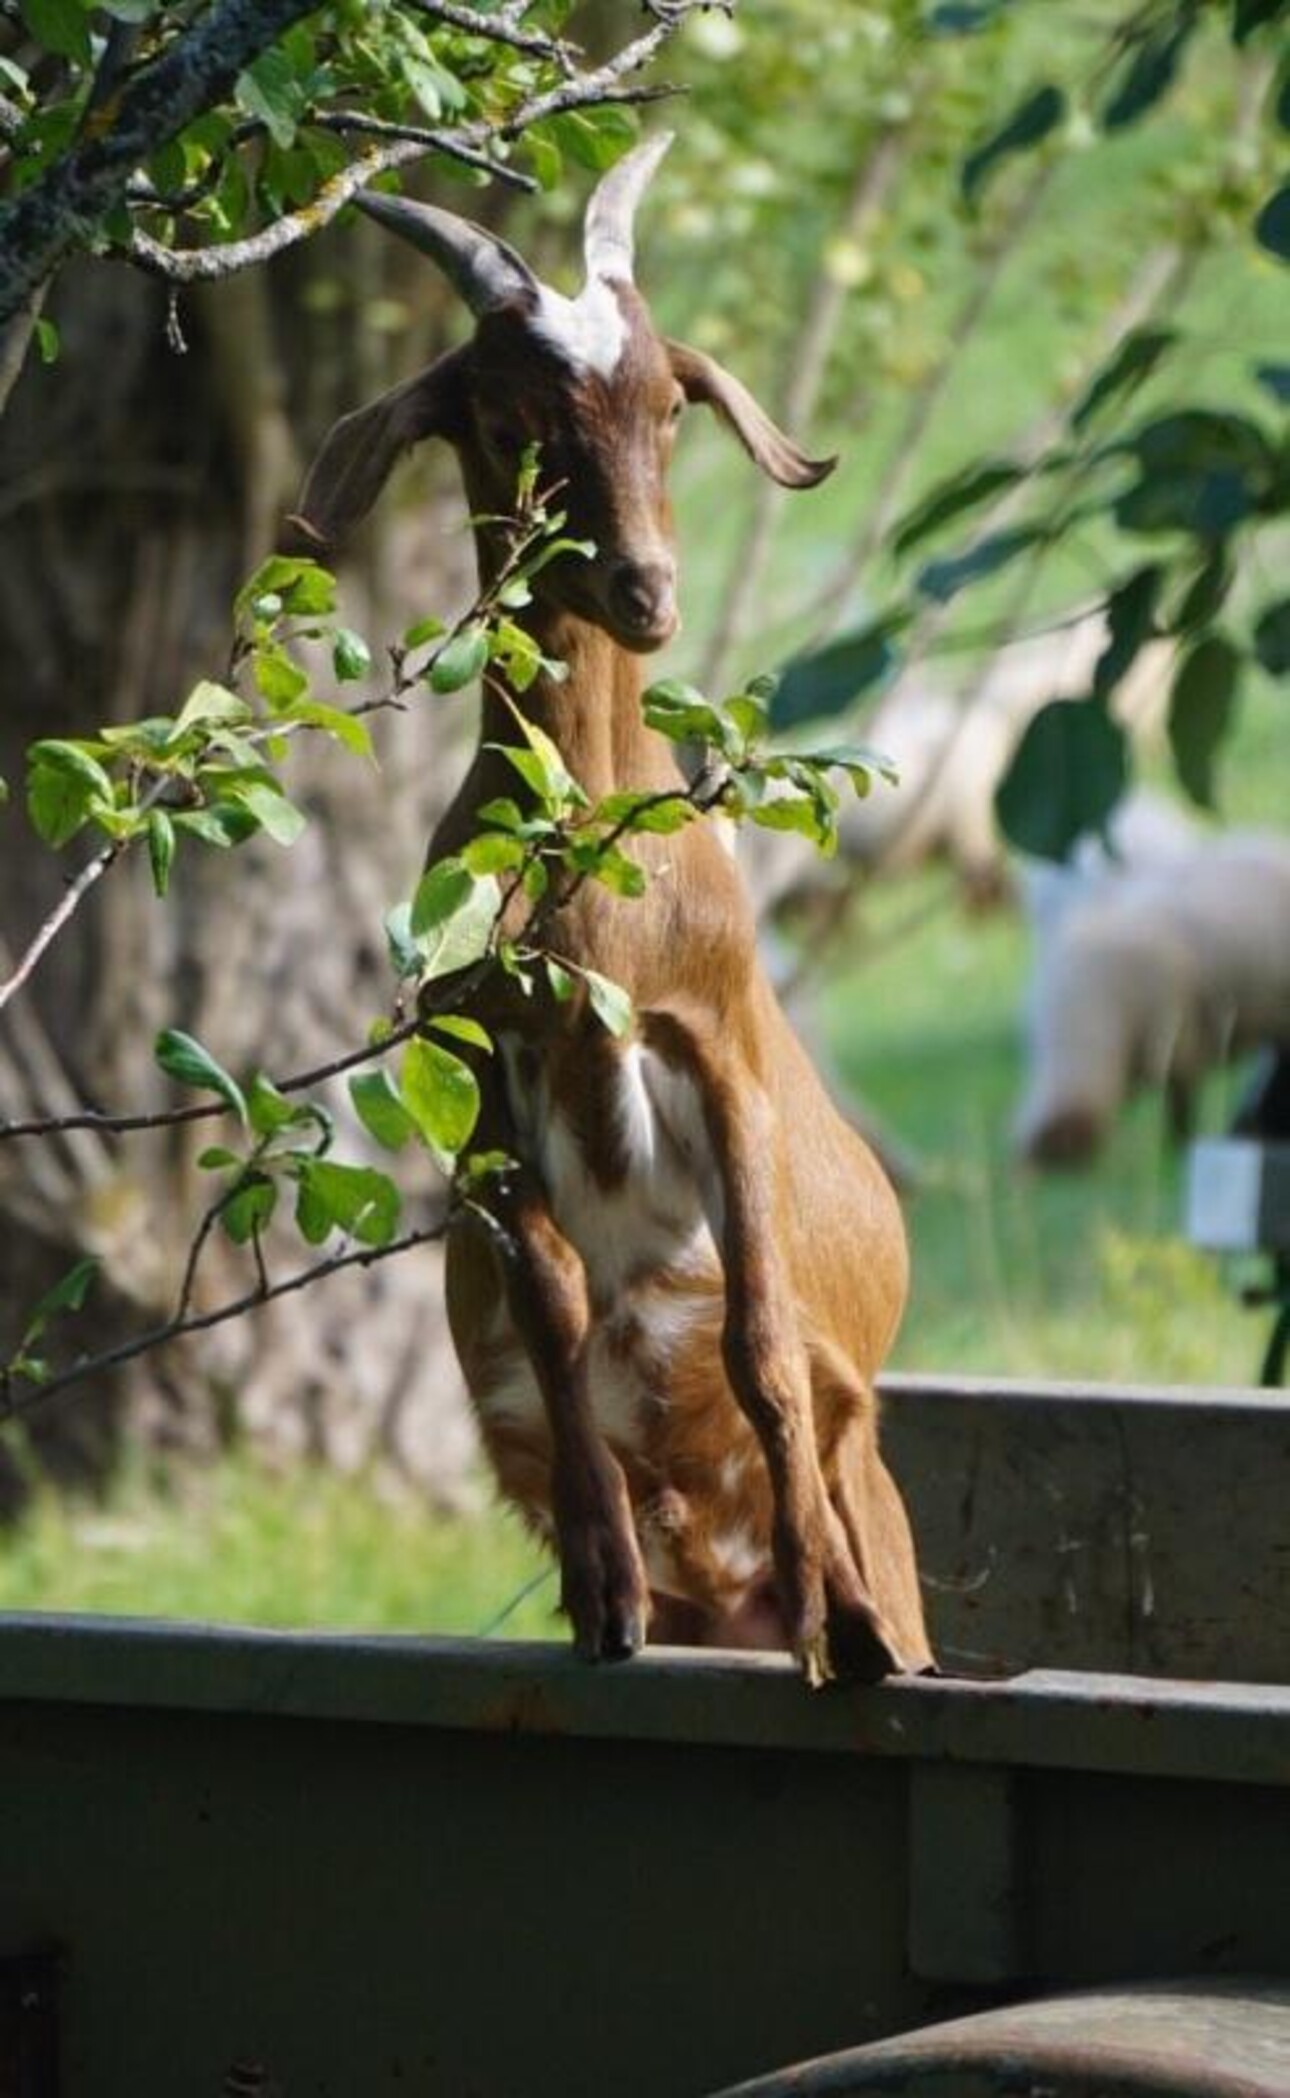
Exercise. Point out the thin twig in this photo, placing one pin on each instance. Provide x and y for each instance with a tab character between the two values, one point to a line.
71	901
57	919
13	1403
498	29
344	122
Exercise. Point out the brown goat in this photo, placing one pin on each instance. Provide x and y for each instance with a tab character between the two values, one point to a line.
672	1359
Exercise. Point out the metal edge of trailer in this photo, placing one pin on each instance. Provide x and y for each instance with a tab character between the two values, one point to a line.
1232	1732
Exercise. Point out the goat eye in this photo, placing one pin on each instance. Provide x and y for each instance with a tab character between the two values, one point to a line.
676	411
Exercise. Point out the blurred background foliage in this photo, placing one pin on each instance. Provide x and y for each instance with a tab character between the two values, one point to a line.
811	228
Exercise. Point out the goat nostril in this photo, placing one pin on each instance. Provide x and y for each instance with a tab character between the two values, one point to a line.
642	592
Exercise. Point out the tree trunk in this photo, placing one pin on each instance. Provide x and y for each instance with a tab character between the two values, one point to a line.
137	488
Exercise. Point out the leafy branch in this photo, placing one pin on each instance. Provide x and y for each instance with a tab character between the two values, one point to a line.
236	123
1179	497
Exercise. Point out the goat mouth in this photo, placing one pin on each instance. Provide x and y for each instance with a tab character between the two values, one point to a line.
640	637
644	640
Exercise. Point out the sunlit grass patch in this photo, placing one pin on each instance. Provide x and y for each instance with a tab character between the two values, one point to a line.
241	1543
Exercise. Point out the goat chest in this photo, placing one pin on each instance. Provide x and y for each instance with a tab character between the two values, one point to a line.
619	1142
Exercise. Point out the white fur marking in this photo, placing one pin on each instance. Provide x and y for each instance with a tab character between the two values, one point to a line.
588	332
737	1557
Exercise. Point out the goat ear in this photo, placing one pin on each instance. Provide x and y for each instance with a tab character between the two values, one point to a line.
361	451
702	379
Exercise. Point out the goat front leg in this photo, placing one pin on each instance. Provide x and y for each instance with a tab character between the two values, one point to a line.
604	1592
833	1624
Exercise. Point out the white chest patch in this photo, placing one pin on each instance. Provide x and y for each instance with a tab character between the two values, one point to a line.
588	332
663	1215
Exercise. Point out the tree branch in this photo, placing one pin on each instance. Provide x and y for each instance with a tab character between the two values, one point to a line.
43	225
15	1403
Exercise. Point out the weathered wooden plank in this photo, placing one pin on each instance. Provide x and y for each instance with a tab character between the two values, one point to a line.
1097	1527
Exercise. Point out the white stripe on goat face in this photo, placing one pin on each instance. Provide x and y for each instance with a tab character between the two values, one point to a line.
588	333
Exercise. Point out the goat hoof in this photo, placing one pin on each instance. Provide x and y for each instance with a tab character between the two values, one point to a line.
815	1660
614	1637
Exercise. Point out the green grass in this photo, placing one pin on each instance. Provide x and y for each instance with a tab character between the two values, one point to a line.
242	1544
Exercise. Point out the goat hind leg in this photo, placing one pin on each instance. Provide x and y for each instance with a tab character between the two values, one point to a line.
831	1621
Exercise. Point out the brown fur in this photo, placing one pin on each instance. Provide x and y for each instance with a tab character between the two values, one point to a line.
760	1440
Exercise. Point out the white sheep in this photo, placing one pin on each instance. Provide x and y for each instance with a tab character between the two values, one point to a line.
1151	977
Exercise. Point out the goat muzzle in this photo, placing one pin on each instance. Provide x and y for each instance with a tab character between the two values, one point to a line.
642	602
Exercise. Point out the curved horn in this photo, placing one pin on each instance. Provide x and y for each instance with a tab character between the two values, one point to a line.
481	267
607	239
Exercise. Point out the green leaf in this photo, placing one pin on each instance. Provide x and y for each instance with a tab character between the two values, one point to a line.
303	586
182	1057
1149	71
964	491
265	800
48	341
210	703
350	655
461	1028
358	1200
380	1109
1201	708
422	631
1131	620
1206	593
680	712
270	1110
492	853
830	679
594	138
1031	122
61	26
68	1294
559	790
943	580
249	1209
161	848
1067	774
1132	362
545	156
440	893
644	811
441	1093
1272	638
1272	226
562	983
405	955
609	1001
63	784
453	915
269	92
517	652
224	825
217	1156
792	812
613	869
278	677
333	721
460	660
